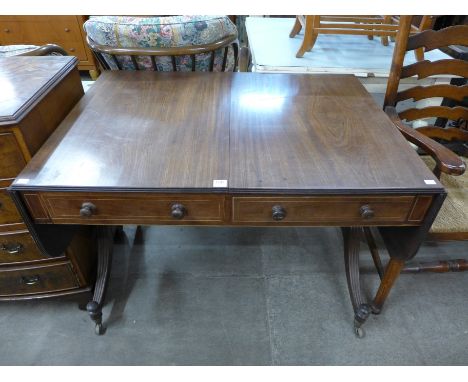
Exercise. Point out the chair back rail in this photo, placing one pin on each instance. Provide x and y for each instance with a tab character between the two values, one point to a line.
453	113
173	52
431	39
417	93
427	68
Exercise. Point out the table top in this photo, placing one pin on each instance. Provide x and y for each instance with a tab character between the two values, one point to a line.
25	80
261	133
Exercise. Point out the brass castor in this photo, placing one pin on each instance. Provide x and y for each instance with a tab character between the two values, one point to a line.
358	331
99	329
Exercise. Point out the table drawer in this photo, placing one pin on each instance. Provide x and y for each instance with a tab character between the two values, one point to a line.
323	210
11	158
18	247
41	279
133	208
8	212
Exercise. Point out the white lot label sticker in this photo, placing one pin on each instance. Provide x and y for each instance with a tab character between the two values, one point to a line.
429	181
22	181
219	183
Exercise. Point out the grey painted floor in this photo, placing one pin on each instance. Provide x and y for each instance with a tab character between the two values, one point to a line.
237	296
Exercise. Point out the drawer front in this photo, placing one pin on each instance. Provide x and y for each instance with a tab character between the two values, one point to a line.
10	32
8	212
74	48
41	279
39	30
134	208
16	247
322	210
11	158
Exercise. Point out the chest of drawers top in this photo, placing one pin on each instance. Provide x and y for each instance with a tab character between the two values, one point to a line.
25	81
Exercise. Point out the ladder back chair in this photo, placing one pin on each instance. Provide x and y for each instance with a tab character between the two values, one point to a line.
452	220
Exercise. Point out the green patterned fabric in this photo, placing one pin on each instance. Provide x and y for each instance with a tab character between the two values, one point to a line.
162	32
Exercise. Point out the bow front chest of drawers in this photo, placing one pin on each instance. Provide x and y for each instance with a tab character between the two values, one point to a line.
36	94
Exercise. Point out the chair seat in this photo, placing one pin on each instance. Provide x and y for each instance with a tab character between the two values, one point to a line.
162	32
14	50
453	215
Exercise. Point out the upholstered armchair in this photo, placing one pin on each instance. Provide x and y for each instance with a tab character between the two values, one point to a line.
170	43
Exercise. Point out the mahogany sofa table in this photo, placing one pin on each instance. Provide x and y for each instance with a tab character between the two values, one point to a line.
236	149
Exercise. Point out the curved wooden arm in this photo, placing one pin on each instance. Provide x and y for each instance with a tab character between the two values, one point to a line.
46	50
447	161
244	59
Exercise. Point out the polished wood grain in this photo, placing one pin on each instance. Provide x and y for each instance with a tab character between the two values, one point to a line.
142	130
344	211
18	247
36	94
311	133
11	158
38	279
8	212
128	208
208	209
27	80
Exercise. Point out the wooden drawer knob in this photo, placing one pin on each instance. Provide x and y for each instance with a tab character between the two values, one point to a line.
30	280
72	49
87	209
178	211
12	249
278	213
67	29
6	30
366	212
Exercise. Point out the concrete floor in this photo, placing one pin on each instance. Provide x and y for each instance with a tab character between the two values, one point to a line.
238	296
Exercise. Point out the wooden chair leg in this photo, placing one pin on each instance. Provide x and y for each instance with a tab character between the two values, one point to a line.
296	28
392	272
310	35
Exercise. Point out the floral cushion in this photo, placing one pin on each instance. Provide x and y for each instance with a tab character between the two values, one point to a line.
162	32
14	50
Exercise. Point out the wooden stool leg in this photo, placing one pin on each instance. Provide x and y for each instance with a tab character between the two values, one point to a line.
392	272
310	35
296	28
384	39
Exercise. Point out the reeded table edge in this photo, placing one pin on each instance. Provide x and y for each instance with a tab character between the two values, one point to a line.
317	191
